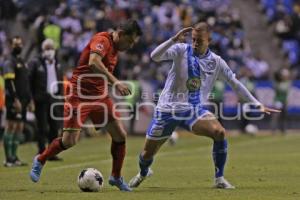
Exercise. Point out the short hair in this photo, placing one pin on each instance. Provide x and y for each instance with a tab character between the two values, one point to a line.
202	26
46	42
130	27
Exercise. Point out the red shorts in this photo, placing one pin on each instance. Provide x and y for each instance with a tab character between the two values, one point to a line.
76	112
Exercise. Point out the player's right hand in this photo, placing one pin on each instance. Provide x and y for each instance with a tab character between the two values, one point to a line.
123	89
181	34
17	105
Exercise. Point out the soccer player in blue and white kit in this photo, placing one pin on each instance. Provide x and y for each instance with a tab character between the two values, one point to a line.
194	71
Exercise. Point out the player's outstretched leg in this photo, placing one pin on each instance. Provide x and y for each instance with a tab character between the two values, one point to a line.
145	171
219	156
145	161
210	127
118	151
38	162
58	145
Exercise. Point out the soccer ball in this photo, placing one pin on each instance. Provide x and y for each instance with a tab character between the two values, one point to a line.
251	129
90	180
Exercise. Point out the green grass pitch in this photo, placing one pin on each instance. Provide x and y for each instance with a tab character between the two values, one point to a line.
262	168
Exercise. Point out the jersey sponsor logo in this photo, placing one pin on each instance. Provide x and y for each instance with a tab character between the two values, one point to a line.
210	66
100	47
193	84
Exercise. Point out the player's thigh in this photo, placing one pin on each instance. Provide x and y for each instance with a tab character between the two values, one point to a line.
161	126
151	147
75	114
105	114
116	130
209	126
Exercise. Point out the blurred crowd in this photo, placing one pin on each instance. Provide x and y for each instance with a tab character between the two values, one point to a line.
71	24
284	16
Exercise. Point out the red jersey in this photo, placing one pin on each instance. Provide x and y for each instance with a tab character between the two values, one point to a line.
85	83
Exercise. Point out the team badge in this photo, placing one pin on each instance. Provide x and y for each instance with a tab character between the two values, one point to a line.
211	65
193	84
100	47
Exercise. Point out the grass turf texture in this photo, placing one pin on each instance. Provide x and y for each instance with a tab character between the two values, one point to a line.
262	167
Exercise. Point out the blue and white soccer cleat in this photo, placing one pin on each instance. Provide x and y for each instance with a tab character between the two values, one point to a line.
222	183
36	170
138	179
119	183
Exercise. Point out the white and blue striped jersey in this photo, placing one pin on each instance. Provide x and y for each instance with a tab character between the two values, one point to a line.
192	77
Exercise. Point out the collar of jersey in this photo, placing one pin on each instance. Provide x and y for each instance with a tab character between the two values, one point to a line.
204	55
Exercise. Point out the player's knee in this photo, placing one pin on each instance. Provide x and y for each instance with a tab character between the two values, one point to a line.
69	141
147	155
219	133
120	137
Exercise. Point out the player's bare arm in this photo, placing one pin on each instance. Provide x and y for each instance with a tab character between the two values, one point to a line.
161	52
97	66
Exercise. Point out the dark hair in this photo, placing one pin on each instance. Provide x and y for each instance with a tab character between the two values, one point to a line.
130	27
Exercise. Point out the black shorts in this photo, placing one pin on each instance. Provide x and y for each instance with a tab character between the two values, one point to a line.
11	113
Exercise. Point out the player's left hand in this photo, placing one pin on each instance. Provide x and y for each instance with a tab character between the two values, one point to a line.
268	110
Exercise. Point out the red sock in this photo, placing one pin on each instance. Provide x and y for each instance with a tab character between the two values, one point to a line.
118	151
53	149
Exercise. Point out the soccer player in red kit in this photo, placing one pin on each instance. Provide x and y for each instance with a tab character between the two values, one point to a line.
89	98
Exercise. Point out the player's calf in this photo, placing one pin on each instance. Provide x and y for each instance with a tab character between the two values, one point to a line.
70	138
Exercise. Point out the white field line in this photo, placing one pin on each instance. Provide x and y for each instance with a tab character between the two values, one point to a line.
163	154
160	154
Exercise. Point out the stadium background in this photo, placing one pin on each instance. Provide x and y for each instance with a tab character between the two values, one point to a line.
260	40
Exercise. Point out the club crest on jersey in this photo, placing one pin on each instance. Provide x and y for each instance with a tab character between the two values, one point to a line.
193	84
211	65
100	47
